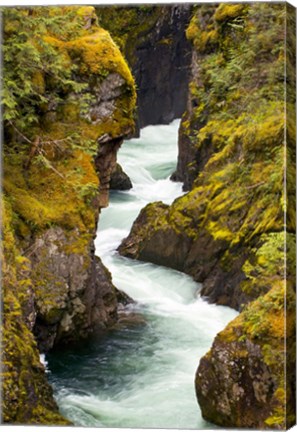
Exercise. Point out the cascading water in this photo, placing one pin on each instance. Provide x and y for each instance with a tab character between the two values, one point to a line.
142	373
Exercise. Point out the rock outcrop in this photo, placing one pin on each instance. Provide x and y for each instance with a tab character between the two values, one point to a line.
119	179
228	231
159	54
27	398
56	179
76	296
240	382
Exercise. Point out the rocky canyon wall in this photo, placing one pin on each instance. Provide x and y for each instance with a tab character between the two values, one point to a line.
229	232
153	40
56	180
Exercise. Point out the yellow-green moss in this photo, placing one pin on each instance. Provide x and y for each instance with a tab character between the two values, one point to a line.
129	25
203	38
57	186
64	203
226	11
99	55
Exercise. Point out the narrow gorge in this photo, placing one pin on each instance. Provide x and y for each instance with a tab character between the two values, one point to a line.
148	216
147	362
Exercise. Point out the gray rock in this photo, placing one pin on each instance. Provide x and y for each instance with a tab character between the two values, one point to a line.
74	294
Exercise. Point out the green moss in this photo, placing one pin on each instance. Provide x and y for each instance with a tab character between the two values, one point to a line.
36	206
98	54
267	263
204	37
56	187
227	11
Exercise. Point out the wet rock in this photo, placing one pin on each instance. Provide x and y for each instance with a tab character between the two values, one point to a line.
163	247
105	163
119	179
74	294
162	95
123	299
130	319
155	238
240	381
191	159
186	170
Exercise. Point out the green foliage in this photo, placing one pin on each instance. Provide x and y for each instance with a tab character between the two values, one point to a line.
270	256
34	73
238	103
53	59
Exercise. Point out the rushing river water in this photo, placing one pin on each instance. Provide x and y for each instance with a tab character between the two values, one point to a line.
141	375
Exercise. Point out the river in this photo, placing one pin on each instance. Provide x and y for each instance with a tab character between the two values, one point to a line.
141	375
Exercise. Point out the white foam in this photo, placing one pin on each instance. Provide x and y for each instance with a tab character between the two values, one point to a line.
183	324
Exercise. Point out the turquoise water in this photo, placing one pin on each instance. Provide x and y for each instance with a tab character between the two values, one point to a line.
141	374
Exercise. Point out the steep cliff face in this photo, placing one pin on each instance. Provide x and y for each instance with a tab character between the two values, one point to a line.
154	43
56	179
26	395
234	200
227	232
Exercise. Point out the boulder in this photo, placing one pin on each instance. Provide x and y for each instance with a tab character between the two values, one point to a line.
240	381
119	179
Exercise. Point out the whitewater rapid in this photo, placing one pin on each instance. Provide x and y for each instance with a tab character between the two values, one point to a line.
141	375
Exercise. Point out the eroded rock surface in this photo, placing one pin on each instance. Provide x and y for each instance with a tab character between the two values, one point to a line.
74	294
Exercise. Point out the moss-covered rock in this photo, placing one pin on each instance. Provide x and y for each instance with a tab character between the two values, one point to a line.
234	230
237	149
26	395
56	179
241	381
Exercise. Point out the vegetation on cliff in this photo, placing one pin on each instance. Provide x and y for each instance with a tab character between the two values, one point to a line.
68	96
246	366
234	228
23	376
